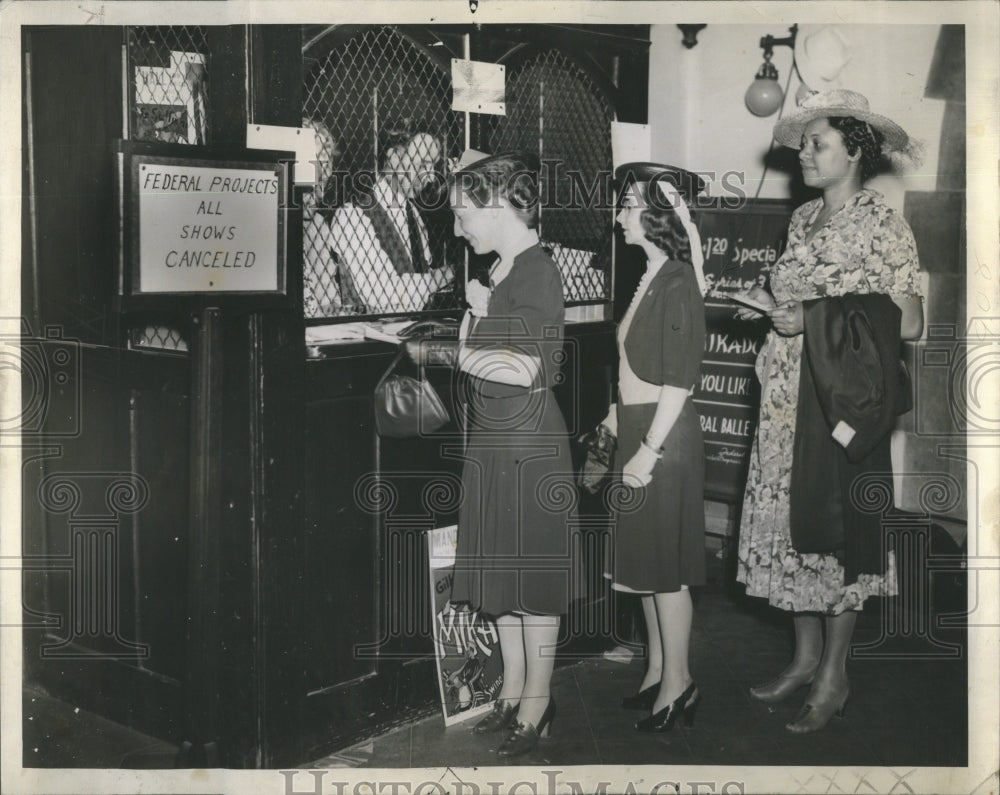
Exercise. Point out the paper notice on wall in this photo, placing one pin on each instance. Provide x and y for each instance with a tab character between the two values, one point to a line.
630	143
170	100
478	87
301	140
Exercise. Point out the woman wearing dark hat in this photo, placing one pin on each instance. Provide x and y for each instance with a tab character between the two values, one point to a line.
513	554
660	525
845	246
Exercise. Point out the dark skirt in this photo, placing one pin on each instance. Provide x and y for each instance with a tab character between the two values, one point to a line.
514	551
660	529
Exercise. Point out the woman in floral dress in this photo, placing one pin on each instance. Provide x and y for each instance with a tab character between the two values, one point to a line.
847	241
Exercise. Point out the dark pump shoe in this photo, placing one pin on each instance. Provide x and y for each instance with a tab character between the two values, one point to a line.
497	720
644	699
663	721
524	737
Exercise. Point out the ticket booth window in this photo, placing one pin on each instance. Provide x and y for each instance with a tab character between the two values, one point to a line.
377	236
368	90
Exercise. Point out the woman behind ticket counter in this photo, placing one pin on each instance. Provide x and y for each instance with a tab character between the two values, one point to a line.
659	548
513	554
847	243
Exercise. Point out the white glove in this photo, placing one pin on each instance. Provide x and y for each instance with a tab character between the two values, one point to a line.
611	421
478	297
639	469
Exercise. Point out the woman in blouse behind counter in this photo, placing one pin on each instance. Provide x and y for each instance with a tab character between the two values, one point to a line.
659	548
847	246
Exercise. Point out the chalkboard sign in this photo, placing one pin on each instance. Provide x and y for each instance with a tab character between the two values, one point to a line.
740	246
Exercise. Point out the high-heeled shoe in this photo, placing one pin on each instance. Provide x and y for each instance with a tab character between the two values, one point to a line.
498	719
644	699
815	715
663	721
781	687
524	736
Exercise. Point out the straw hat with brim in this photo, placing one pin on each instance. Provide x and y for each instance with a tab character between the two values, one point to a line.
839	102
688	184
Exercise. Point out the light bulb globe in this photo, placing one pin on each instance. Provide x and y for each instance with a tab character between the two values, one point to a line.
764	96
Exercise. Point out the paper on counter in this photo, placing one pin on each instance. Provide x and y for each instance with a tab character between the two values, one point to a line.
335	332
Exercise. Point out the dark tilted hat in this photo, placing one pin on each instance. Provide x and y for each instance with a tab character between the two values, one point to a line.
476	161
688	184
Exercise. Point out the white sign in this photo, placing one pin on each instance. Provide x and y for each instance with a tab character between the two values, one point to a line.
301	140
207	229
478	87
630	143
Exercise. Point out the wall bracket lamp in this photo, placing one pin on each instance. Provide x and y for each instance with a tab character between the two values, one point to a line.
690	34
765	96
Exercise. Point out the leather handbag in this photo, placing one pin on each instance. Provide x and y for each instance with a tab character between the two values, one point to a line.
406	406
599	446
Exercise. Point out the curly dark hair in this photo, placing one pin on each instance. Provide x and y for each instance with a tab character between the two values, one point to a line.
663	226
514	176
861	135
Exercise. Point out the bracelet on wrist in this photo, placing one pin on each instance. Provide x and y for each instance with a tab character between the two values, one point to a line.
645	443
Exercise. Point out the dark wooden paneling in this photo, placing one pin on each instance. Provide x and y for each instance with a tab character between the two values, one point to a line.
129	669
276	74
340	542
76	97
227	44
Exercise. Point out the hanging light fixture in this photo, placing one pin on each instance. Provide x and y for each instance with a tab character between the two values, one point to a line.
765	96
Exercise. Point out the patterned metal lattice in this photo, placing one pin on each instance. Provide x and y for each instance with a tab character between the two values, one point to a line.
380	106
556	109
159	337
168	102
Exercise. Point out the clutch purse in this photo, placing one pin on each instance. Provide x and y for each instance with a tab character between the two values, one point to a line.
406	406
599	447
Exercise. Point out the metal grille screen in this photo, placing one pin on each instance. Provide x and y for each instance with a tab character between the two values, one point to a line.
377	93
556	109
168	102
169	97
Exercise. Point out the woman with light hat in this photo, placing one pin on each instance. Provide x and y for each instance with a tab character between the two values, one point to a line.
844	244
659	548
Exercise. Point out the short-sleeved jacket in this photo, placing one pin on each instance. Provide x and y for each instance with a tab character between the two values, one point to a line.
527	315
666	339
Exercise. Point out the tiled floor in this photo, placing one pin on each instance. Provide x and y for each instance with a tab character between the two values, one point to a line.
904	710
908	707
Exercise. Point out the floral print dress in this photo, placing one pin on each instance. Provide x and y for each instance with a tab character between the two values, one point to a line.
866	247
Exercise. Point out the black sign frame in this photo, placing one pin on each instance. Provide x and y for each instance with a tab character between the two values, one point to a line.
130	157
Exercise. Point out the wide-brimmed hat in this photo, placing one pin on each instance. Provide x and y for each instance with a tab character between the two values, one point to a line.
688	184
820	57
839	102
